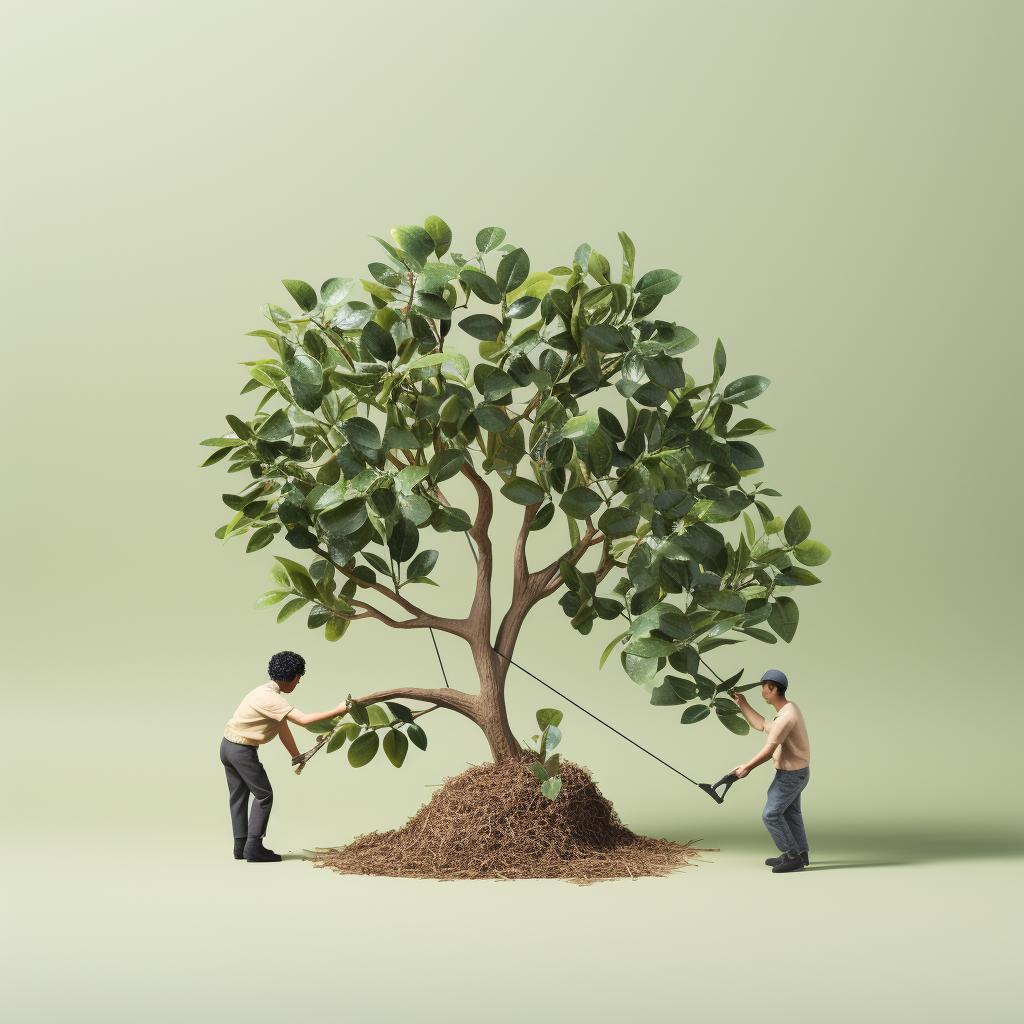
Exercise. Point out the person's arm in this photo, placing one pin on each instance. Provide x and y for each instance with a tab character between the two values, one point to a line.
287	739
756	721
765	755
301	718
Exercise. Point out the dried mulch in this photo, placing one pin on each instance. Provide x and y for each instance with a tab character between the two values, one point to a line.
492	821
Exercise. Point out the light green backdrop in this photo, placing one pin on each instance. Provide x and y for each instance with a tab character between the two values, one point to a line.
836	183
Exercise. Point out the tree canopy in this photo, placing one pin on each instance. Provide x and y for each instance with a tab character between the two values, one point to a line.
584	407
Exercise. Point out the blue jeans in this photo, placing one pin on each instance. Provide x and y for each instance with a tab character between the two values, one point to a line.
782	815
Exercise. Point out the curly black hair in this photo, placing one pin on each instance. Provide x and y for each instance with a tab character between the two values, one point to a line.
285	666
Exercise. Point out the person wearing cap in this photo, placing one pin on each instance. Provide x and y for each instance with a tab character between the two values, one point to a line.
789	749
258	719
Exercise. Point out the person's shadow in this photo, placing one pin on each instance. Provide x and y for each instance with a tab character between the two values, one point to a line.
833	848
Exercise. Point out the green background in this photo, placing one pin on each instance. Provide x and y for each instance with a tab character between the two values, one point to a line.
836	183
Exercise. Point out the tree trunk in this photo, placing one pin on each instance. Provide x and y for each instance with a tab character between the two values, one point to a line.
491	714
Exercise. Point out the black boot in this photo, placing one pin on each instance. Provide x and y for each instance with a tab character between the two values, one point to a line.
772	861
256	852
792	861
240	848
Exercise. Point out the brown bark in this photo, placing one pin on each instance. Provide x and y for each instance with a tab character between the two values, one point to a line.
486	709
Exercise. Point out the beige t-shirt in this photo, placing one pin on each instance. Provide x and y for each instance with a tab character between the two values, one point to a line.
258	718
790	732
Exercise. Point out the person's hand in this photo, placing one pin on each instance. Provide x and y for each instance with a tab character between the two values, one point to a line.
297	759
738	697
740	771
342	709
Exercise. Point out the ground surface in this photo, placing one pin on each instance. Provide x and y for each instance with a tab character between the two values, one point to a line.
898	925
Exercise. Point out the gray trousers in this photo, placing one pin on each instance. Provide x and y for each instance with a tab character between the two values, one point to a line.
246	775
782	816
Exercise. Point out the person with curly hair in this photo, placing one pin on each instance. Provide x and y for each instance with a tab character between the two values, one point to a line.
263	714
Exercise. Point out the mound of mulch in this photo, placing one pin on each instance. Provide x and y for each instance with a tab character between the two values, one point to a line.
493	822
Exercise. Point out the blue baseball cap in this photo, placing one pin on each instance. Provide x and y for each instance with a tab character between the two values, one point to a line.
774	675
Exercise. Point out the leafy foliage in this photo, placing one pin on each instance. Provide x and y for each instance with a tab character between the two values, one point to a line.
546	765
362	733
581	400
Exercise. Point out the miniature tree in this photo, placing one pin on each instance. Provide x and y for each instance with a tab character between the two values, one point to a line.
581	410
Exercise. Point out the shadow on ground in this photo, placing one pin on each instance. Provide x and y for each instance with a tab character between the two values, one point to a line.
890	846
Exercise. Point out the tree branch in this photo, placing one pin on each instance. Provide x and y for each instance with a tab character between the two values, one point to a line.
520	568
544	577
420	620
454	700
479	618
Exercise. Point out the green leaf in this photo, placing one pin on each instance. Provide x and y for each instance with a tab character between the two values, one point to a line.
363	435
423	564
743	389
363	750
796	576
553	735
446	464
431	305
784	618
410	476
416	242
400	711
665	695
693	714
336	741
440	233
299	576
378	342
481	326
418	736
618	522
377	716
489	238
685	689
261	538
335	290
798	526
219	454
482	285
396	746
628	257
580	426
658	282
324	725
812	552
523	491
650	647
719	358
551	787
302	293
344	520
513	270
276	427
733	722
605	338
291	608
548	716
611	647
580	502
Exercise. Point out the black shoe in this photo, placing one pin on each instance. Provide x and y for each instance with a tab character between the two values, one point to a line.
240	849
789	862
772	861
256	852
